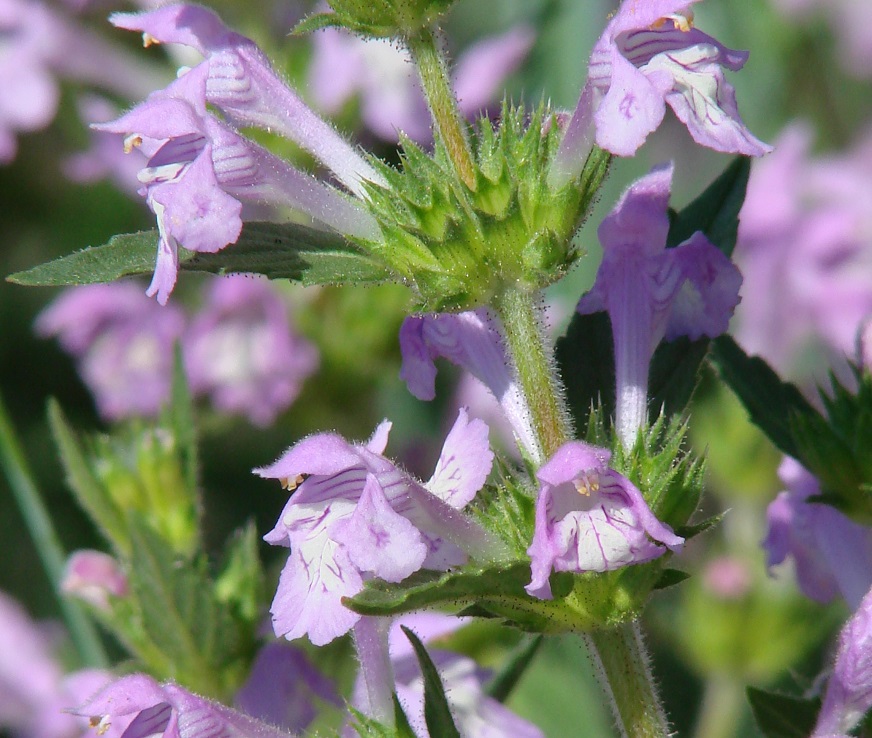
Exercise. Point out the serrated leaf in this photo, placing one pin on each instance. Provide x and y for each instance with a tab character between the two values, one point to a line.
180	615
716	211
770	402
90	494
781	716
437	713
276	250
501	686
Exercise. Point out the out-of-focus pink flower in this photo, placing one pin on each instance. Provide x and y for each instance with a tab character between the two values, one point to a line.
805	251
94	576
122	343
384	78
831	553
727	578
43	44
242	351
34	692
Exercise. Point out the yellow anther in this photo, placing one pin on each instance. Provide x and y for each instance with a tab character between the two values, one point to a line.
681	21
291	484
149	40
587	483
133	141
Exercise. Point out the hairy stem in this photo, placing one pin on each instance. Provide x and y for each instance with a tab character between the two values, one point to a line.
531	354
620	654
625	674
443	106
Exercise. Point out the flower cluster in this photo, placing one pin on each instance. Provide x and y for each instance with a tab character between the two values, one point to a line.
239	349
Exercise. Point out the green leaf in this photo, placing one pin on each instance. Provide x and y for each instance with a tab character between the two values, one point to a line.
432	588
674	375
501	686
781	716
180	615
437	713
671	577
241	582
89	492
585	357
716	211
276	250
770	402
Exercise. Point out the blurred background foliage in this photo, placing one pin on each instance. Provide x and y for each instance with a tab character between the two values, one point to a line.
708	639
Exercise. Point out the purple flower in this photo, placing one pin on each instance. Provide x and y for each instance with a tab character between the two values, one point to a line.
388	664
355	515
590	518
241	350
122	343
201	171
473	341
832	554
849	689
391	100
94	576
806	255
651	292
42	44
168	710
34	692
284	689
650	55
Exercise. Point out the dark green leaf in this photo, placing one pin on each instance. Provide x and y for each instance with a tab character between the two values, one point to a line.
770	402
501	686
780	716
122	256
431	588
716	211
276	250
437	713
674	375
671	577
585	357
241	582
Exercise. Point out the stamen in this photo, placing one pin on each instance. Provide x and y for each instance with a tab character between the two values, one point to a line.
291	484
131	142
681	21
587	484
149	40
102	724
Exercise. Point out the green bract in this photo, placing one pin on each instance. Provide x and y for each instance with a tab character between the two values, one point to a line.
458	248
379	18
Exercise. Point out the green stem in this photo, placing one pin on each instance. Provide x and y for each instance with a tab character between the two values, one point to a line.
533	360
625	673
623	662
721	707
443	105
47	543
